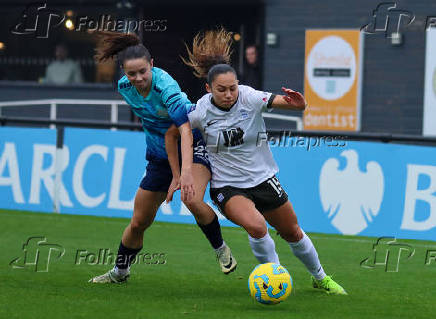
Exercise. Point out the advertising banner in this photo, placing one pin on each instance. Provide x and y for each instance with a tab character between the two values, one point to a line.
429	121
335	186
332	79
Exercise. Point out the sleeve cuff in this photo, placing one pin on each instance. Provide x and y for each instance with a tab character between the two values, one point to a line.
270	101
181	121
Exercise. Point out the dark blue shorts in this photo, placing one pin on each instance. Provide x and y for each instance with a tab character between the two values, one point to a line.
158	175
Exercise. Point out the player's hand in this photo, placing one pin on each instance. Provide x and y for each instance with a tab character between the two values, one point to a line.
175	185
187	186
294	98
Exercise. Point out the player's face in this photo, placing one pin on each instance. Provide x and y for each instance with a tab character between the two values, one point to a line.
224	89
138	72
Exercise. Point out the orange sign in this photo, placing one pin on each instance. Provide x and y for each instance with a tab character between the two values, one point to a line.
332	80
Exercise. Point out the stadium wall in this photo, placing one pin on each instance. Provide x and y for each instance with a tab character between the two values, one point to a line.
393	76
354	188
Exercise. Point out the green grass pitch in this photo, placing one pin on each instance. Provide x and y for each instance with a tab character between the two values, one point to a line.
190	284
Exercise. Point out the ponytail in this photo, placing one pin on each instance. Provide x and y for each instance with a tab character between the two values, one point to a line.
210	55
124	46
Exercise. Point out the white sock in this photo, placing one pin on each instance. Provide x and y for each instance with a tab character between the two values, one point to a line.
121	272
264	249
220	247
306	252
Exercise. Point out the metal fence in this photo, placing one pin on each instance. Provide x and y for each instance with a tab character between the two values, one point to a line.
113	104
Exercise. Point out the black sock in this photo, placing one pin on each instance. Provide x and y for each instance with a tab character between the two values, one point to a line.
126	256
213	233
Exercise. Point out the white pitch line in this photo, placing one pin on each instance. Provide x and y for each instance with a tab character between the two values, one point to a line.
357	240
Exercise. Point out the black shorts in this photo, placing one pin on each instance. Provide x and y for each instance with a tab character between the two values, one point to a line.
265	196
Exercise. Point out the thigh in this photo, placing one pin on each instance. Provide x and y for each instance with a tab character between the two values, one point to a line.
284	220
201	175
243	212
146	205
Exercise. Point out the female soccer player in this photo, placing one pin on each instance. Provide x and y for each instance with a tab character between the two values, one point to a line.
155	97
244	185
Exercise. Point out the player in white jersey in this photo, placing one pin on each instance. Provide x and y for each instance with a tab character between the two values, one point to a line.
244	185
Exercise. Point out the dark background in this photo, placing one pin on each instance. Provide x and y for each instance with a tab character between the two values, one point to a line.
393	79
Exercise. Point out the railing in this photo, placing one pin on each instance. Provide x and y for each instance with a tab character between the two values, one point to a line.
351	136
54	103
114	108
114	123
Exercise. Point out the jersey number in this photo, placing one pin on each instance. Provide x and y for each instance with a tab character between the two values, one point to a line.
233	137
275	184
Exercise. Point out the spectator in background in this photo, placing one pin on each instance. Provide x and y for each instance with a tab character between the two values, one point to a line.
251	75
63	70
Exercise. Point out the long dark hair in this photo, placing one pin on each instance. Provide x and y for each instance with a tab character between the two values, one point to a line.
210	55
123	46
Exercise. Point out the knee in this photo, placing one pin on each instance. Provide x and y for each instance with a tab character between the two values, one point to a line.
292	234
257	230
138	227
202	212
193	205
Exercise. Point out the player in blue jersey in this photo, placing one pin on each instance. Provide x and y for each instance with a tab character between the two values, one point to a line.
156	98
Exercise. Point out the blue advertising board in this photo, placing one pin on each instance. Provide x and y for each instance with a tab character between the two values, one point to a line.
354	188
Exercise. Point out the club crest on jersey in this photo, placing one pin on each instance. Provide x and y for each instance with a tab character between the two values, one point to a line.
244	114
162	112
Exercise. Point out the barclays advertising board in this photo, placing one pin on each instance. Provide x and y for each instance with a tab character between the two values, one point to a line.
355	188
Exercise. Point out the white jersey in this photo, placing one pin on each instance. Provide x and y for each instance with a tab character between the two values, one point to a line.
236	139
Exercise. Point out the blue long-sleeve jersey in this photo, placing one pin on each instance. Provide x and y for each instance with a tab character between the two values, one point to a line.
164	105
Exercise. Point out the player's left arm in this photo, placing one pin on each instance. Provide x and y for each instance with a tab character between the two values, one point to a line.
186	178
172	137
292	100
176	105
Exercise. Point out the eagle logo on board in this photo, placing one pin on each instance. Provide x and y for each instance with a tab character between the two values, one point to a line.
351	198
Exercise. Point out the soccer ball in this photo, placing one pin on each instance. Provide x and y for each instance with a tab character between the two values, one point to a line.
270	283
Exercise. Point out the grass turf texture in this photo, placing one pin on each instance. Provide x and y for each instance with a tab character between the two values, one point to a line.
190	284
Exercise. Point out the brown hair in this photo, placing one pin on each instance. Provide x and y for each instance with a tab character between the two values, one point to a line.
210	55
124	46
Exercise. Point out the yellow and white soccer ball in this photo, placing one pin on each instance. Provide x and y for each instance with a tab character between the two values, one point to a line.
270	283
